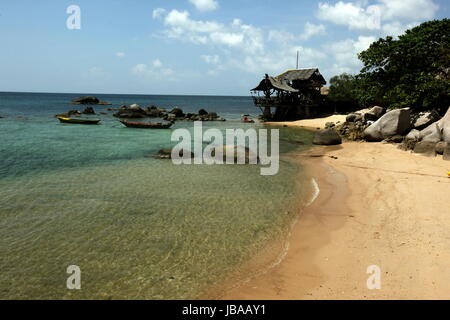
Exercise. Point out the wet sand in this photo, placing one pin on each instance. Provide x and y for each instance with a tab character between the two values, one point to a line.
377	205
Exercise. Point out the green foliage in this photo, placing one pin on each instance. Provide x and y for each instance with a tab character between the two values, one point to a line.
412	71
343	93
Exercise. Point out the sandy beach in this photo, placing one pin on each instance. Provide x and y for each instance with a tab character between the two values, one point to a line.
377	205
311	123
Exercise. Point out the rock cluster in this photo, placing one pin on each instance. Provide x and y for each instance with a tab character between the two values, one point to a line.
89	100
135	111
424	133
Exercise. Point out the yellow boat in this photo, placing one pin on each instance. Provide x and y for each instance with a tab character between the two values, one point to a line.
77	121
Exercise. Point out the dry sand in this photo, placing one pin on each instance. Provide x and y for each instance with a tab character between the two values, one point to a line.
378	205
311	123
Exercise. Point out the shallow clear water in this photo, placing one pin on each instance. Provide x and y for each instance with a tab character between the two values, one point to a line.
138	227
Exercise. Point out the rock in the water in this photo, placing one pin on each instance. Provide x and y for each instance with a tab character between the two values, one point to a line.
167	154
134	107
202	112
238	152
426	148
432	133
413	135
395	122
424	119
327	137
177	112
88	110
440	147
86	100
133	111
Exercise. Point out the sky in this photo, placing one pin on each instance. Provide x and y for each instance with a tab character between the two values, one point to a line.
198	47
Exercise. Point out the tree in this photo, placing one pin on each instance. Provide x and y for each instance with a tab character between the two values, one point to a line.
343	95
412	71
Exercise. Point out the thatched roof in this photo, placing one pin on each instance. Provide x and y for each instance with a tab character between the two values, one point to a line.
281	81
302	74
271	82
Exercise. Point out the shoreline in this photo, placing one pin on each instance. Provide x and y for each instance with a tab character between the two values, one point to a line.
378	205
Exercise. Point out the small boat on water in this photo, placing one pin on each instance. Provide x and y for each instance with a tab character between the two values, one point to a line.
143	125
77	121
246	118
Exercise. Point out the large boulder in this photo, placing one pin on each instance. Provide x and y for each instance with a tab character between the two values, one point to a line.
327	137
413	135
446	152
86	100
445	126
395	122
88	110
432	133
373	114
177	112
440	147
202	112
424	119
130	112
425	148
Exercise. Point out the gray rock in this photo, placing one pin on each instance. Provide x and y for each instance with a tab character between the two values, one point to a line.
425	119
177	112
426	148
167	154
432	133
447	152
413	135
89	110
445	126
377	111
395	122
351	117
395	139
237	152
86	100
327	137
440	147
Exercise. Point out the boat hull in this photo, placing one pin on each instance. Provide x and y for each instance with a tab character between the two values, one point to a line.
77	121
142	125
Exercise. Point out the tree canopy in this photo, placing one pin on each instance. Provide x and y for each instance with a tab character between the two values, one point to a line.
343	94
411	71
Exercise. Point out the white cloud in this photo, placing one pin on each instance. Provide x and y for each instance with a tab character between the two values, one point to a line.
157	63
408	9
156	69
311	30
351	15
158	13
235	35
345	54
356	15
205	5
120	54
396	28
243	45
214	59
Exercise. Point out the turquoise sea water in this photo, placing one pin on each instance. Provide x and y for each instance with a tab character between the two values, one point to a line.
137	227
